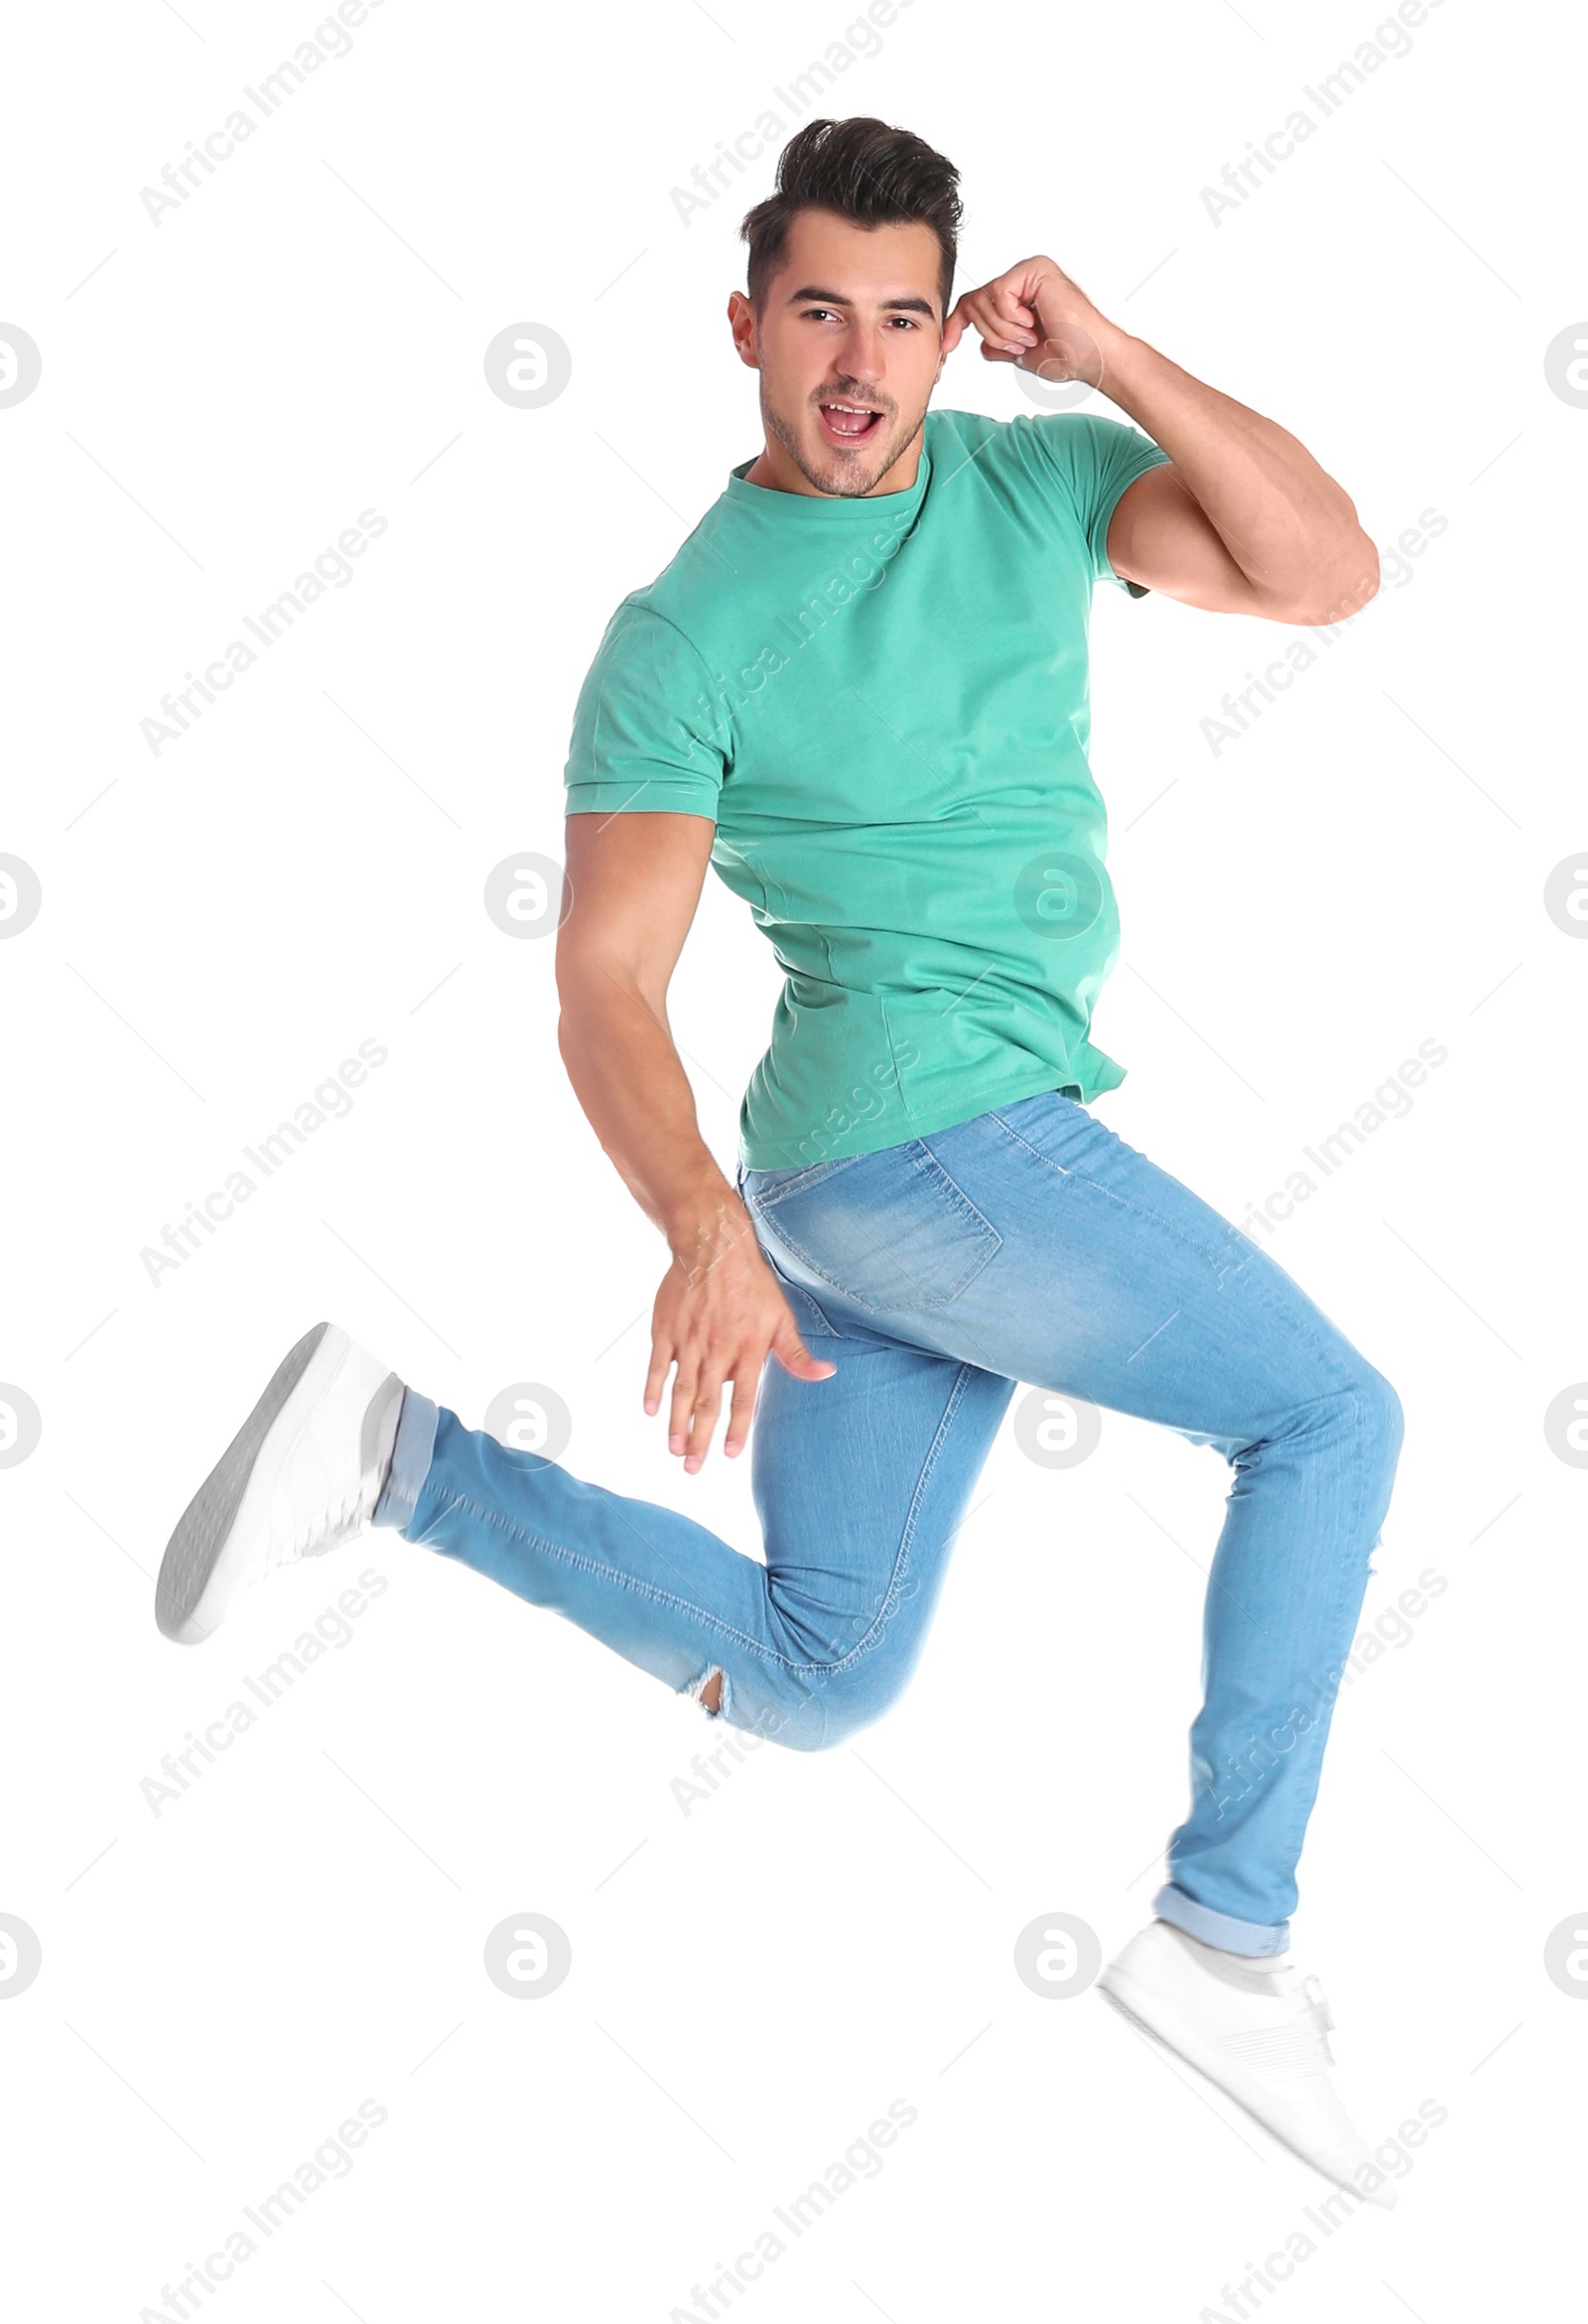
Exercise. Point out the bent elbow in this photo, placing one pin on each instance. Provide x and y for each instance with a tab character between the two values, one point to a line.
1365	556
1350	582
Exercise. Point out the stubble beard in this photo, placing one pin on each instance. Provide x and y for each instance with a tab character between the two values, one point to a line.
847	480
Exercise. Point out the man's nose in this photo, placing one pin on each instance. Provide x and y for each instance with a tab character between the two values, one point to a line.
862	358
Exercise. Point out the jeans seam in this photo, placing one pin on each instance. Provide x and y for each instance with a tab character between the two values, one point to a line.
768	1198
1346	1577
611	1573
1128	1202
712	1621
1301	1321
955	1398
957	1195
789	1283
986	1244
1294	1828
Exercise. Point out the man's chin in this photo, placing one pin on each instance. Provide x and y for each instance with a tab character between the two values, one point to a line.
845	482
849	476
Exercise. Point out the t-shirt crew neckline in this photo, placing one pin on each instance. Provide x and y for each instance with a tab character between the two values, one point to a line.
857	508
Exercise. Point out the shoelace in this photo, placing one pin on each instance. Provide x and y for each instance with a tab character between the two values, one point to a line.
1312	2011
329	1521
326	1523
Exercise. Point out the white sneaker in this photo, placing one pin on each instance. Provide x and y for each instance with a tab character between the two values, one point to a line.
1259	2032
301	1476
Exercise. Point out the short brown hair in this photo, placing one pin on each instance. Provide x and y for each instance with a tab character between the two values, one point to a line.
864	172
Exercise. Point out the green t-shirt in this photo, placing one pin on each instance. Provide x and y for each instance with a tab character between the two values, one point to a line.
883	703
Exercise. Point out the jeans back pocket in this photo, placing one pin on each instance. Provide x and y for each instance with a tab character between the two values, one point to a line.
889	1230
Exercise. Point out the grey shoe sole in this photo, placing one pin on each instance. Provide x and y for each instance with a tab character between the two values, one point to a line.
202	1531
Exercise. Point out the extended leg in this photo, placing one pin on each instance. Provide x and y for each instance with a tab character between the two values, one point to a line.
861	1482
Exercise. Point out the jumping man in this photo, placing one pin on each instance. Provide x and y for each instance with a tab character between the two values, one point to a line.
860	692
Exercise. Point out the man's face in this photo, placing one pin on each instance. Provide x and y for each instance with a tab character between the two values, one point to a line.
849	347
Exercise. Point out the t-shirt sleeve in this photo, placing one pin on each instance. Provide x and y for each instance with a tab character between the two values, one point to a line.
1091	462
646	739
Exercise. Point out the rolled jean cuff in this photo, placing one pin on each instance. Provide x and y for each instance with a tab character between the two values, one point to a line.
410	1460
1251	1938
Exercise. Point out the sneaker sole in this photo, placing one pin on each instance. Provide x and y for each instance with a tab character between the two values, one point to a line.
1234	2096
204	1527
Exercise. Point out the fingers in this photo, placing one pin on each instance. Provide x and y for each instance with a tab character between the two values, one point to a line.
702	1424
1006	324
792	1353
1004	318
1003	334
656	1377
716	1333
795	1357
743	1411
696	1405
680	1416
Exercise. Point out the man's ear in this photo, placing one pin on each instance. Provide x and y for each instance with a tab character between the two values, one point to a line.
741	322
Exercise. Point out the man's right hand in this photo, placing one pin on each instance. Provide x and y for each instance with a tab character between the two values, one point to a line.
632	884
719	1311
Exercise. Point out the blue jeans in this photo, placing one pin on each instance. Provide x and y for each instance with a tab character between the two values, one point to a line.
1028	1244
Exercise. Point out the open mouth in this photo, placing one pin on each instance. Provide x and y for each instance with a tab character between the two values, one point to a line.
848	423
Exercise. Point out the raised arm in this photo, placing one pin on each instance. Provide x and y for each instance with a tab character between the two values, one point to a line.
636	882
1242	519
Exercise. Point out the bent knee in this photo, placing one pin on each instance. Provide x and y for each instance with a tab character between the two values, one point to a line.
829	1716
1383	1415
812	1710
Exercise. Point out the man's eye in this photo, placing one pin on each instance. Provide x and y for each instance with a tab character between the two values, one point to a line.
819	314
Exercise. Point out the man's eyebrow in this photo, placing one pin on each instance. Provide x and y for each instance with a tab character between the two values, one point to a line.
840	298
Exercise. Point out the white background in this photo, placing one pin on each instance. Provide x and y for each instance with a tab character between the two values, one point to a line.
224	1981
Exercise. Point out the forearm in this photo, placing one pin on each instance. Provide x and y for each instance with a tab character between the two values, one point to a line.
1287	523
630	1082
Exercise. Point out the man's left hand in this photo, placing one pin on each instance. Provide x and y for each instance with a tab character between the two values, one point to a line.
1033	316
